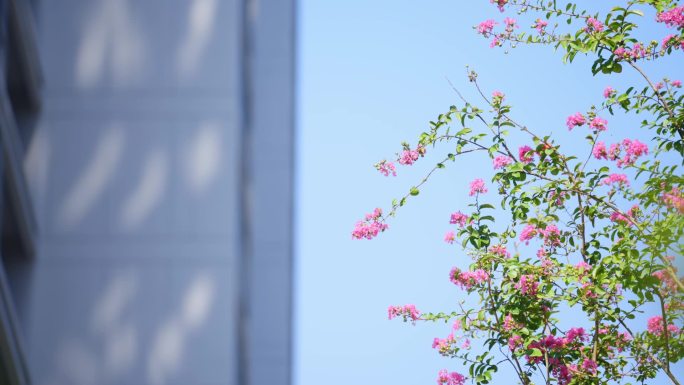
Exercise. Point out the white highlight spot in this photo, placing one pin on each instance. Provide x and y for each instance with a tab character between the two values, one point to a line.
200	23
94	179
149	192
203	157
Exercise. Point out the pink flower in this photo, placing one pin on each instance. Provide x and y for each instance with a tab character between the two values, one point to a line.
608	92
620	218
502	161
386	168
509	324
666	280
485	28
526	154
599	151
465	344
669	40
458	218
510	24
589	366
598	124
499	250
659	86
444	344
407	312
408	157
576	334
674	199
466	280
370	227
672	18
551	235
477	187
655	326
540	26
453	378
450	237
583	268
528	233
514	342
633	150
497	97
593	25
676	83
575	120
620	179
638	51
499	3
495	42
527	285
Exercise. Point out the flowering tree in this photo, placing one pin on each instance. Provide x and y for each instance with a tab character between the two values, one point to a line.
606	223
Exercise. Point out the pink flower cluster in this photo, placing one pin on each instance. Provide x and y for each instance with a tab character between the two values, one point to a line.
499	4
672	18
608	92
627	218
593	25
551	236
655	326
668	283
528	233
386	168
636	52
674	199
673	41
619	179
575	120
409	157
499	250
633	149
477	186
467	279
486	27
676	83
575	334
510	324
444	344
449	237
526	154
511	24
445	377
598	124
564	372
583	268
540	26
528	285
370	227
502	161
458	218
407	312
497	98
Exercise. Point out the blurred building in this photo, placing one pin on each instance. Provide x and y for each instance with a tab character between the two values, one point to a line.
147	152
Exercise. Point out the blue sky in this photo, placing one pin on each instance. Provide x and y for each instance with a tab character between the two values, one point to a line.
371	75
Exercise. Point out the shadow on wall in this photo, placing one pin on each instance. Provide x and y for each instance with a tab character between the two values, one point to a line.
121	174
114	345
112	42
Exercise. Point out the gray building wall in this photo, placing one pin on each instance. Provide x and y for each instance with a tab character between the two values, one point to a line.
160	171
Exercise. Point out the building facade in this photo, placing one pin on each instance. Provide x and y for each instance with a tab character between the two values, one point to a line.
148	190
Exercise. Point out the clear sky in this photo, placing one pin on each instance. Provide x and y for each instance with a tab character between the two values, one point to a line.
371	75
